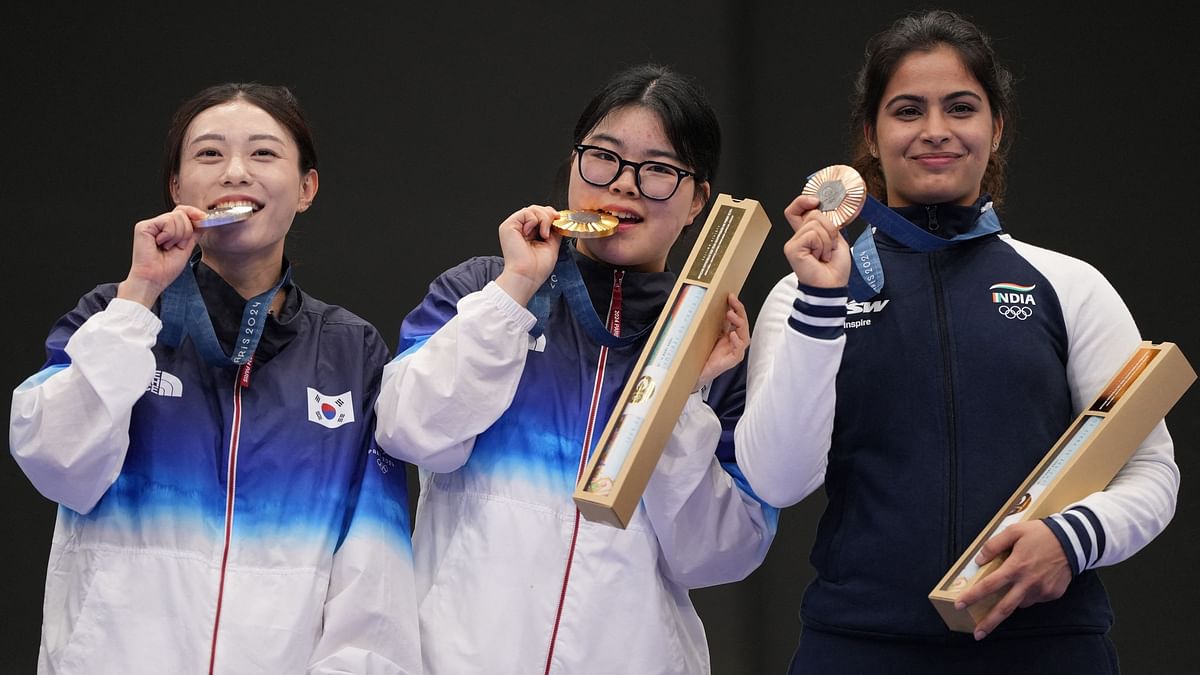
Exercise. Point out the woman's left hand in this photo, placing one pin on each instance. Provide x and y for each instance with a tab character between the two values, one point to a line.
1036	571
731	348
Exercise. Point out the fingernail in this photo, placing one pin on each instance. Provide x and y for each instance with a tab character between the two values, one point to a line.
960	605
979	635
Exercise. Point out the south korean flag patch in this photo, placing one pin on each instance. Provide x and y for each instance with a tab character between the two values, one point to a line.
330	411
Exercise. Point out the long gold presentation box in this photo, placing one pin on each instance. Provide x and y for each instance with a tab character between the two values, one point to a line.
664	376
1084	460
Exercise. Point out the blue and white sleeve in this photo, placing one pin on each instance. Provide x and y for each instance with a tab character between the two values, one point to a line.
69	423
462	352
819	312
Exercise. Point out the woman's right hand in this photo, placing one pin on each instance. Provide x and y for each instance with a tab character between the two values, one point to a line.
530	248
162	245
816	252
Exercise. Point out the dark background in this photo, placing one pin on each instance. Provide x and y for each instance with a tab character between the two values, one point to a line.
434	122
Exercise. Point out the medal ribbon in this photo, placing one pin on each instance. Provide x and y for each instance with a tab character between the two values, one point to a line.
566	281
868	281
184	314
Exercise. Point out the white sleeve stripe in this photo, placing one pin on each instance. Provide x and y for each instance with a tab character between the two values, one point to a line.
1073	537
819	300
818	320
1083	527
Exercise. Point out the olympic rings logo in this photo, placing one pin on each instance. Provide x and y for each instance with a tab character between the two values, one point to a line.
1014	312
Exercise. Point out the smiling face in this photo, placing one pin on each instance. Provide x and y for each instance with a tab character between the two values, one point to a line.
236	152
648	228
934	131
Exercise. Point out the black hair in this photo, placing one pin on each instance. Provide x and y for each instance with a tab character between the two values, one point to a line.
277	101
924	32
687	118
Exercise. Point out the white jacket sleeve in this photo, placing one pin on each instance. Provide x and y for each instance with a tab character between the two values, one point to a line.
437	396
1108	526
69	425
783	439
709	529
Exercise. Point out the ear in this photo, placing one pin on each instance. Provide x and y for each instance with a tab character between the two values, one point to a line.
308	191
997	132
175	188
699	198
869	136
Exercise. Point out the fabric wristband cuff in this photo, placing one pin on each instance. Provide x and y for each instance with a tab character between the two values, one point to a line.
1081	536
1064	541
511	309
138	316
819	312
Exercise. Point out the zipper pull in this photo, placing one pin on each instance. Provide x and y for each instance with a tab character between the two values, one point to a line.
244	372
933	223
614	324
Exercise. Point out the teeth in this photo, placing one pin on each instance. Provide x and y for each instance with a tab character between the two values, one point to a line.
235	204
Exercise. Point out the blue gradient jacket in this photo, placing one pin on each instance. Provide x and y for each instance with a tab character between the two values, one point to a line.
209	527
510	578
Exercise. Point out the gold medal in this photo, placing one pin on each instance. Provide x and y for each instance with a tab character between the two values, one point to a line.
224	215
585	223
841	190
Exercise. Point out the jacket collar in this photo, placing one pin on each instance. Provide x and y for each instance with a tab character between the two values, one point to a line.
643	294
944	220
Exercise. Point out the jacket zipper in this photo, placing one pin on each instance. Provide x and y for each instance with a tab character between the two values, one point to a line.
614	327
242	380
939	297
931	212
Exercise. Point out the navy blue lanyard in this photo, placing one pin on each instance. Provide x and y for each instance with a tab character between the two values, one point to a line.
183	314
566	281
868	282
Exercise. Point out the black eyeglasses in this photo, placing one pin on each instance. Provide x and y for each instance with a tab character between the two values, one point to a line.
655	180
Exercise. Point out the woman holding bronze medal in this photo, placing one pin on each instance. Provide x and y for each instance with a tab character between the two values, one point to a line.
507	373
967	355
207	429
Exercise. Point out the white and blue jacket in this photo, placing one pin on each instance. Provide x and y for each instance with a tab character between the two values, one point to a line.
209	527
510	578
923	408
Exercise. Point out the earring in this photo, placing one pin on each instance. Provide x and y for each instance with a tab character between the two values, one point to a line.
995	145
873	151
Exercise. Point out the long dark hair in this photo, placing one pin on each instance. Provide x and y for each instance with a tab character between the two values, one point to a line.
925	32
277	101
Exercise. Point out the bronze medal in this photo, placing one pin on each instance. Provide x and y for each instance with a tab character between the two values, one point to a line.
842	193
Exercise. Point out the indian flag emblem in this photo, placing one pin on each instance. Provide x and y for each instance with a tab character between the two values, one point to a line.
1007	292
330	411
